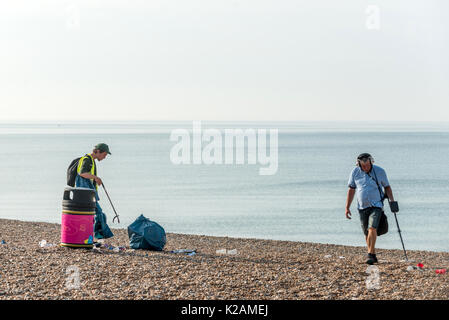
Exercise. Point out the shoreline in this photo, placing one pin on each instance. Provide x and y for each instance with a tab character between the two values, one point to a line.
260	269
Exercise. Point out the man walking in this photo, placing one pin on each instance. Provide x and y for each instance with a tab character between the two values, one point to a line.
87	178
367	180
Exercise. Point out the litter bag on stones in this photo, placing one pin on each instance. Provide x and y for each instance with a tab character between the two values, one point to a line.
146	234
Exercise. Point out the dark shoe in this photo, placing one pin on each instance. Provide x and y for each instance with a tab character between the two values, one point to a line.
371	258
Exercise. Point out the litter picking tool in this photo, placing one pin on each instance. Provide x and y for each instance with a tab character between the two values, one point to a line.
116	215
395	208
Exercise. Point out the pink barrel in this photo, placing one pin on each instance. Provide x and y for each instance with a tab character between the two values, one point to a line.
77	223
77	229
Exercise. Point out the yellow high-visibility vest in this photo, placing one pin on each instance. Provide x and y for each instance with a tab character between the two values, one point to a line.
92	170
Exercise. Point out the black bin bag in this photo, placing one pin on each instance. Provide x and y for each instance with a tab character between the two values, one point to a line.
146	234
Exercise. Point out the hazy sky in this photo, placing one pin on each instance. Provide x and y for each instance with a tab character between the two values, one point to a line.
224	60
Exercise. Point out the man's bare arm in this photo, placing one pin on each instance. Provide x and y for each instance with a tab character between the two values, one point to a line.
87	175
349	199
389	193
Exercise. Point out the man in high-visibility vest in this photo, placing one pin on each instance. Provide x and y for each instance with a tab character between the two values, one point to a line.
87	178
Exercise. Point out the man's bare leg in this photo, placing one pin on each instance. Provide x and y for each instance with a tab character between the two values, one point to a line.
371	240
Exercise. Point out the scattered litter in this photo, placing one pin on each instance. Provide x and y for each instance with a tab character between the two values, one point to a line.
3	242
341	257
116	249
44	244
419	267
224	251
96	250
183	251
191	253
327	256
440	271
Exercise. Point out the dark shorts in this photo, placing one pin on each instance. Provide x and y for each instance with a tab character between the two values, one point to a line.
370	218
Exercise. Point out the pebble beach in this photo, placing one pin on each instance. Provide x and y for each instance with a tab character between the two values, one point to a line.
220	268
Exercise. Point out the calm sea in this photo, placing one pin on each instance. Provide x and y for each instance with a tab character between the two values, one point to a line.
303	201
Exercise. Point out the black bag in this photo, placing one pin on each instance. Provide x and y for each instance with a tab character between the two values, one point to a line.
72	172
383	224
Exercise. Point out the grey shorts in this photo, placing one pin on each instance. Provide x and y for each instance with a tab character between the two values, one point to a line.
370	218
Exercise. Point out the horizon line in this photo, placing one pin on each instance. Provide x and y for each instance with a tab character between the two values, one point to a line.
215	121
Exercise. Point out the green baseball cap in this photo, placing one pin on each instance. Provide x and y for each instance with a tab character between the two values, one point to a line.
103	147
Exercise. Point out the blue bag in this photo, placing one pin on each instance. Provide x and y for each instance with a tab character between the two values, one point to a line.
146	234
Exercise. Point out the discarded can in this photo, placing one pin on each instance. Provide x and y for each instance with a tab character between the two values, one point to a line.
420	265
